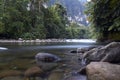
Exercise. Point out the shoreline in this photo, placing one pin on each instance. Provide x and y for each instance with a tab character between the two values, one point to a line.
47	40
34	41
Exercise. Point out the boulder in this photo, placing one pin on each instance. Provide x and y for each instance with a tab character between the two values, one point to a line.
85	49
47	61
108	53
46	57
88	53
103	71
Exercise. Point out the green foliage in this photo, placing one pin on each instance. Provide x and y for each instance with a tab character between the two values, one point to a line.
39	32
27	36
77	31
29	19
104	18
1	27
12	18
55	21
17	21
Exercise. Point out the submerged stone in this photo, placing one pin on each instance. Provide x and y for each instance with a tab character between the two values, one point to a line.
47	61
46	57
33	71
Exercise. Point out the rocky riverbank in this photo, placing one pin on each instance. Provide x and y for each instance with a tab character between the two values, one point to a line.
20	40
36	40
102	63
42	66
95	63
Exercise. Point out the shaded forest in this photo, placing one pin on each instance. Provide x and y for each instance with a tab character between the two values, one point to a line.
104	17
33	19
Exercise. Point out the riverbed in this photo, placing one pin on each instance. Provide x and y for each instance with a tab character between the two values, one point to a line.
21	56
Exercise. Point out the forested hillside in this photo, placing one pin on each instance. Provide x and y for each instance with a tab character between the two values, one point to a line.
33	19
75	9
104	17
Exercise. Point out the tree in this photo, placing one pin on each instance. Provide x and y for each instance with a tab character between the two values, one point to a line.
30	19
77	31
22	17
37	19
104	18
12	17
55	21
1	16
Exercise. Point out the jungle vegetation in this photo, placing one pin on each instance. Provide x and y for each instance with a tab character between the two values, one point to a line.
104	17
33	19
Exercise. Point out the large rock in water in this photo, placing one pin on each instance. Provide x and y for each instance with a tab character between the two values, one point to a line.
108	53
47	61
85	49
103	71
46	57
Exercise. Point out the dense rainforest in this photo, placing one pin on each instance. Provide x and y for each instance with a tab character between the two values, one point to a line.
33	19
104	17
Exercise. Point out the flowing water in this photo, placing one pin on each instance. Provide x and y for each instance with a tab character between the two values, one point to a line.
20	56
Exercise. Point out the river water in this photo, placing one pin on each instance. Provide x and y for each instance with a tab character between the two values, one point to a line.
20	56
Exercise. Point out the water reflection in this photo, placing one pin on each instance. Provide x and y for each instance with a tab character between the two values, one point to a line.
82	40
19	56
3	48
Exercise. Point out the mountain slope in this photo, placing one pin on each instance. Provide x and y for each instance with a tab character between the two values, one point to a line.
75	9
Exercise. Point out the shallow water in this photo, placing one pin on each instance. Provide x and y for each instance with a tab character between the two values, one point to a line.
19	56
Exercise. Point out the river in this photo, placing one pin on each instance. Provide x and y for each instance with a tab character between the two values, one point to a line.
19	56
